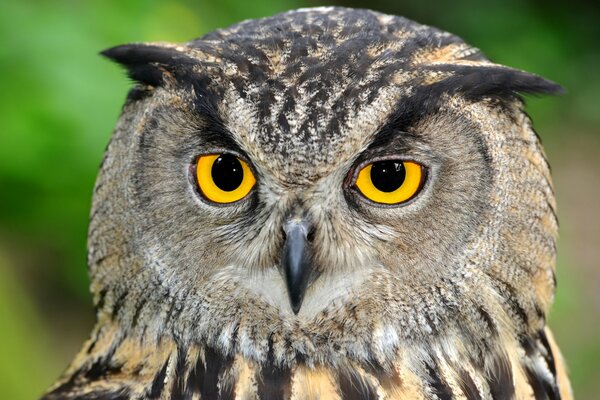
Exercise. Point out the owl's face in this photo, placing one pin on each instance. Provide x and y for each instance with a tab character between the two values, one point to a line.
342	180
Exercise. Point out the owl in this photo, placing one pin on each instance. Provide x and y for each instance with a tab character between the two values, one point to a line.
325	204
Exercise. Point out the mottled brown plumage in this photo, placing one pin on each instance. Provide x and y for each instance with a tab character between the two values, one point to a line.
442	297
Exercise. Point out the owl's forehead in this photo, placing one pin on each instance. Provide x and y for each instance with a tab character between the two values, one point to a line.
311	86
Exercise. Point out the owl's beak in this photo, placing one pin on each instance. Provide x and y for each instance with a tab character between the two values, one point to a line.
296	260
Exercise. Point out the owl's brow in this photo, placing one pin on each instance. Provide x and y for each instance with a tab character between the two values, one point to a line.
213	130
474	83
384	138
408	112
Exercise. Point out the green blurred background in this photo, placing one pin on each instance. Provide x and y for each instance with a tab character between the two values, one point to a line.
59	101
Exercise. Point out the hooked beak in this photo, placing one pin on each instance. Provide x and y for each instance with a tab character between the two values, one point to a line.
296	260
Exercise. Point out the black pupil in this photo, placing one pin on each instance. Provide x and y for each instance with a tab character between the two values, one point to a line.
227	172
388	176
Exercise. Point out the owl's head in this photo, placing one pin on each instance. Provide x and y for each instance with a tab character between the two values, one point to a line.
320	184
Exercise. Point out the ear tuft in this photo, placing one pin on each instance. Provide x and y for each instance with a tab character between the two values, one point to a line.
147	64
494	81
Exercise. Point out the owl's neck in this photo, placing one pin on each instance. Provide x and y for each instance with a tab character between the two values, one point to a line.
117	366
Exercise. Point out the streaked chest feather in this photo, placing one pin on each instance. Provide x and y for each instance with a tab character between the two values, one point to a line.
114	368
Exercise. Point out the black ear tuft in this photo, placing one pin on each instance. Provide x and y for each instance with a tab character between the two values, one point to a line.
526	83
148	63
475	82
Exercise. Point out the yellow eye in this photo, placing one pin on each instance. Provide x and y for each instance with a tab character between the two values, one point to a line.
224	178
390	181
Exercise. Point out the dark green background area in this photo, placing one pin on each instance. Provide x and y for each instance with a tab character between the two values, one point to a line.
59	102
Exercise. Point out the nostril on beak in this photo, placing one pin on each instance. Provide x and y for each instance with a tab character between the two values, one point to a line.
310	233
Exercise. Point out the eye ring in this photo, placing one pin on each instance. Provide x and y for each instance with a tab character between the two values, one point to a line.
390	182
223	178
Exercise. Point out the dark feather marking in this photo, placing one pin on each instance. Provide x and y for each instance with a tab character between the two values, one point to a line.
91	346
510	295
388	378
240	86
101	369
147	63
488	320
226	391
440	387
542	388
138	309
468	386
196	377
549	357
138	92
284	125
207	95
518	311
158	383
204	379
528	345
500	378
539	312
275	380
389	139
119	303
179	390
89	373
235	332
409	111
213	131
476	82
299	49
352	387
555	216
264	105
289	102
101	299
380	371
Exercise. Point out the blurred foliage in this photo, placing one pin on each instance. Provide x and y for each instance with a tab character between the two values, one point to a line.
59	101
